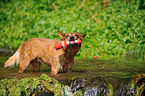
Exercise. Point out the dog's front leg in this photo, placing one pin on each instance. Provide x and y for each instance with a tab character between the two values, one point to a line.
68	65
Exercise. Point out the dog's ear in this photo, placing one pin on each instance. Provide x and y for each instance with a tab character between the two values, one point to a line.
82	36
62	35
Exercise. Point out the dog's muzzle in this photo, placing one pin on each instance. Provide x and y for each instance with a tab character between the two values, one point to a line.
71	38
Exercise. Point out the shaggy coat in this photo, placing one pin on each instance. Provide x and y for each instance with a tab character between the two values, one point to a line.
43	50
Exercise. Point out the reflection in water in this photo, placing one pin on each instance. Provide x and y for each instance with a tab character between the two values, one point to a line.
112	70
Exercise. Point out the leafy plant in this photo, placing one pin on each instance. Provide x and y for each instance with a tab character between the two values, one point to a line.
113	28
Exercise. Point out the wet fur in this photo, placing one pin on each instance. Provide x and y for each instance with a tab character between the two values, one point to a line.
39	50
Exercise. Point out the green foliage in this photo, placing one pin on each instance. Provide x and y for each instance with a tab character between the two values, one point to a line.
111	30
27	86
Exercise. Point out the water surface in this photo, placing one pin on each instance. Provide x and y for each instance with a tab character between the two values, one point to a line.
114	71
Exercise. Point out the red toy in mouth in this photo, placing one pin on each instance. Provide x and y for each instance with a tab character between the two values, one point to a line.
64	44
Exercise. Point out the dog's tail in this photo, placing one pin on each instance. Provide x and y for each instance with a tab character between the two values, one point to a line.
13	59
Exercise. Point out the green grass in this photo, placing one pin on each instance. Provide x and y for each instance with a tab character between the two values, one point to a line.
111	30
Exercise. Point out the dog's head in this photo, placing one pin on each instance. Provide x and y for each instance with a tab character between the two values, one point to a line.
71	36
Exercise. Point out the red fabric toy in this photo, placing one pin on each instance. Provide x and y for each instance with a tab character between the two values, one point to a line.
66	43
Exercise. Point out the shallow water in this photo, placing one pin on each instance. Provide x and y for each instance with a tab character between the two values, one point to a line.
114	71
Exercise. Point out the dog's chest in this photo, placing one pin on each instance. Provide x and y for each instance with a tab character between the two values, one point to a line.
71	51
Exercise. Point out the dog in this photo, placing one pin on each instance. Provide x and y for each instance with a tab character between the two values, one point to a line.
42	50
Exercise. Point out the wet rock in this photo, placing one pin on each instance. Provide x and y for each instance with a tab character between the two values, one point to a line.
95	87
45	94
133	88
35	86
66	91
124	90
76	85
90	91
65	81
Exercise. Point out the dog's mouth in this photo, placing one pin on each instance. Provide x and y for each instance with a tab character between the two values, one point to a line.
73	44
72	39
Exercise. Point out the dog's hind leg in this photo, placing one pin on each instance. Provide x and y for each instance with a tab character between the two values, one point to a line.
23	64
55	67
54	70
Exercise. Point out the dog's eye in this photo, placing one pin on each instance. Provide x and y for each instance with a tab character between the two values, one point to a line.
76	35
67	35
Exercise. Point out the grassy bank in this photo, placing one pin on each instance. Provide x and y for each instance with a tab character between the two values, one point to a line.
114	28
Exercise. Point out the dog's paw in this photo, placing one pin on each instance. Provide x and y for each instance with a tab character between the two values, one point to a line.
20	72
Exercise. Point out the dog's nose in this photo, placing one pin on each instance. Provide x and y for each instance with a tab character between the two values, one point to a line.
71	38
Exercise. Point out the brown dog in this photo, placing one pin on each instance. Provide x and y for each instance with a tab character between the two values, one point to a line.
43	50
